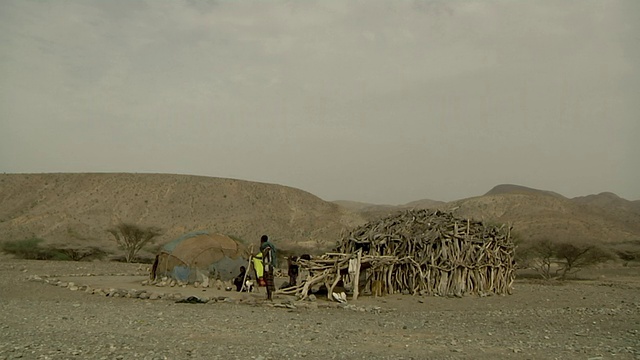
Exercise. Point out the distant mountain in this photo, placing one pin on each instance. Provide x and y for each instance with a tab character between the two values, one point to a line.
533	213
544	214
609	202
79	208
355	205
424	204
517	189
374	211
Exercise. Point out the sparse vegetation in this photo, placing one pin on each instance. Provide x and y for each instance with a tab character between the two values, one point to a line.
627	251
559	260
30	249
33	249
132	238
82	253
572	257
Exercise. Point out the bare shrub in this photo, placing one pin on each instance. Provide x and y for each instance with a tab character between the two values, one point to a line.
627	251
30	249
82	253
572	257
538	255
132	238
558	260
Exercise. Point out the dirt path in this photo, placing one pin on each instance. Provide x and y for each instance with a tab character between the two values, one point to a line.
592	319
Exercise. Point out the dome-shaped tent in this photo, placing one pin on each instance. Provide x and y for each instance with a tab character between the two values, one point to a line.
195	256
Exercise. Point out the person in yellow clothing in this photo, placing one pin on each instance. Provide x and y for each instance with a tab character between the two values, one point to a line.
259	268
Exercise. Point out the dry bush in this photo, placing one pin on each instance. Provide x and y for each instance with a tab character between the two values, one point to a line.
627	251
559	260
82	253
572	257
537	255
30	249
132	238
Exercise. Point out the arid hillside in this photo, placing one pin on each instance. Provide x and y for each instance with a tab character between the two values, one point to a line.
77	209
378	211
604	218
536	214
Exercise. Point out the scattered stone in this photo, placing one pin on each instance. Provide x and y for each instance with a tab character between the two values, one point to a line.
219	285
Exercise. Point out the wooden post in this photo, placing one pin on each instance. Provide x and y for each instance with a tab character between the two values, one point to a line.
333	285
256	286
356	279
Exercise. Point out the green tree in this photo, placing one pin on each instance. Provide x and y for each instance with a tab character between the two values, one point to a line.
132	238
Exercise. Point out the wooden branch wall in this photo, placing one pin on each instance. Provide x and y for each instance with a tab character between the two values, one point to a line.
423	252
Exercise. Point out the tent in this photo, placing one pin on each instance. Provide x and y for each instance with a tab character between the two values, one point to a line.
199	255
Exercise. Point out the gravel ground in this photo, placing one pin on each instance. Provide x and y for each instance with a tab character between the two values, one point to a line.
587	319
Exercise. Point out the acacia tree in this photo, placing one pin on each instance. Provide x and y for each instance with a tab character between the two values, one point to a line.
572	257
132	238
553	260
541	253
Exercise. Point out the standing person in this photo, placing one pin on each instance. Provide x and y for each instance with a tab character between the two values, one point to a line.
269	262
293	271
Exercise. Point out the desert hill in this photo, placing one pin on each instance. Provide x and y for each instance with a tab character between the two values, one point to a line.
518	189
534	214
78	208
377	211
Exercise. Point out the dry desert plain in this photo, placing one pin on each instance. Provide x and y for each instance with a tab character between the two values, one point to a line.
594	317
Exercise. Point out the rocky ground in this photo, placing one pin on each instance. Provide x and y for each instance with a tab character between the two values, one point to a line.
594	318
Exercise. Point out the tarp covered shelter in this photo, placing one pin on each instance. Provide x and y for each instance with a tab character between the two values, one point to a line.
197	255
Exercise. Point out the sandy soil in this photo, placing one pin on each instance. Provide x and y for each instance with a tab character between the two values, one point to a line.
597	317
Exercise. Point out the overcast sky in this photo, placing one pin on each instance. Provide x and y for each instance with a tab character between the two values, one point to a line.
373	101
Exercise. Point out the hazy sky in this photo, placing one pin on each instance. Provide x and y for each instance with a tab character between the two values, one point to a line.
374	101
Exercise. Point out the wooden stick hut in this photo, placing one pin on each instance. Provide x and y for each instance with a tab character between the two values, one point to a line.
422	252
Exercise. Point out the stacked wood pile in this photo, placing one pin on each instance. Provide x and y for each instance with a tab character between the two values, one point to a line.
421	252
329	269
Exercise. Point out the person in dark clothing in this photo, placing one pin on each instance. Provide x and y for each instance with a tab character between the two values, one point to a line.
293	270
305	257
269	261
239	280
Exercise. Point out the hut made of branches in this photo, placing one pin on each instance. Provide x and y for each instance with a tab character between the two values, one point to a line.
435	253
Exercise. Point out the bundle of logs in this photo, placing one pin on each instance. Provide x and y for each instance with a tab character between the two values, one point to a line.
422	252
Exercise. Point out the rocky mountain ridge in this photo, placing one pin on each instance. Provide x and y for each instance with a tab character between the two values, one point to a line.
77	209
